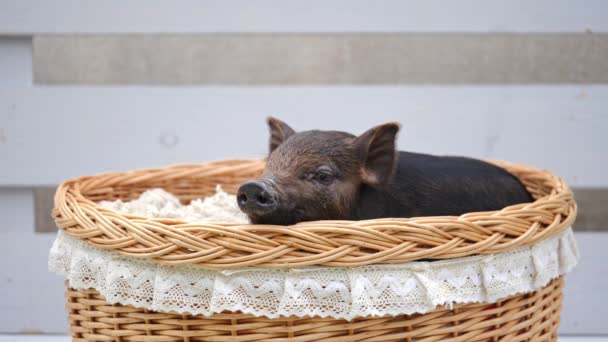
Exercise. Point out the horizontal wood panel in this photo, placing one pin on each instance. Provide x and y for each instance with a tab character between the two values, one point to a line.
32	297
584	311
15	61
593	209
320	59
196	16
17	210
43	205
54	133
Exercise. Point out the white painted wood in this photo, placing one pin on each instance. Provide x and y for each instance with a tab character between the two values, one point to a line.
15	61
138	16
16	210
54	133
585	296
32	298
36	338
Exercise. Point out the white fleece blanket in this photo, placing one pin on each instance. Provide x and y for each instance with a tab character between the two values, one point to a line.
221	207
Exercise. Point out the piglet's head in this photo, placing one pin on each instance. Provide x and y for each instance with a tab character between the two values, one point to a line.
317	175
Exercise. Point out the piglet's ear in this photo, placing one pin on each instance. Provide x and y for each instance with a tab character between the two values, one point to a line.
279	132
378	153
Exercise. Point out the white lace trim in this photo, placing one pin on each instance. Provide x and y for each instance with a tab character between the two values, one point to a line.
415	287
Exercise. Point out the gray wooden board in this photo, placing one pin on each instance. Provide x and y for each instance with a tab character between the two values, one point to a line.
321	59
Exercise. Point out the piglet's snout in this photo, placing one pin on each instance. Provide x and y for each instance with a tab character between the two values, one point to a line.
257	198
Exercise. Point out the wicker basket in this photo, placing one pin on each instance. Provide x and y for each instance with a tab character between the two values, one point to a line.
525	317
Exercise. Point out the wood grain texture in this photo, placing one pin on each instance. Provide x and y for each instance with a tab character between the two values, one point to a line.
43	207
593	209
321	59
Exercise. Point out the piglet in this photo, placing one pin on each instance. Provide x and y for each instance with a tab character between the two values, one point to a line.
331	175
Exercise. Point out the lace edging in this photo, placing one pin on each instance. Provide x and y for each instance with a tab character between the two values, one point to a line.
342	293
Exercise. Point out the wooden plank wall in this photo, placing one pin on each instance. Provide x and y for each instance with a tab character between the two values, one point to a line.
88	86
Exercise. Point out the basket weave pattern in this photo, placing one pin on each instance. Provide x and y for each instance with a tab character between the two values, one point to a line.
526	317
328	243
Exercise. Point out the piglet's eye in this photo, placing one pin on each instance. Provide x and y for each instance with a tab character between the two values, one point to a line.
324	177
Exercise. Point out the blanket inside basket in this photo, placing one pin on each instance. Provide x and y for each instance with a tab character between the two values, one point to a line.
157	203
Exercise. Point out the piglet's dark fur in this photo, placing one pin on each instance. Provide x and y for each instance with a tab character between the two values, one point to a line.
330	175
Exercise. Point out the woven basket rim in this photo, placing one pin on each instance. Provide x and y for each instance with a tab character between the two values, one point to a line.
317	243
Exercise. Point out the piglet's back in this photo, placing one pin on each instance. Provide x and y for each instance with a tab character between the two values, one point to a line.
428	185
